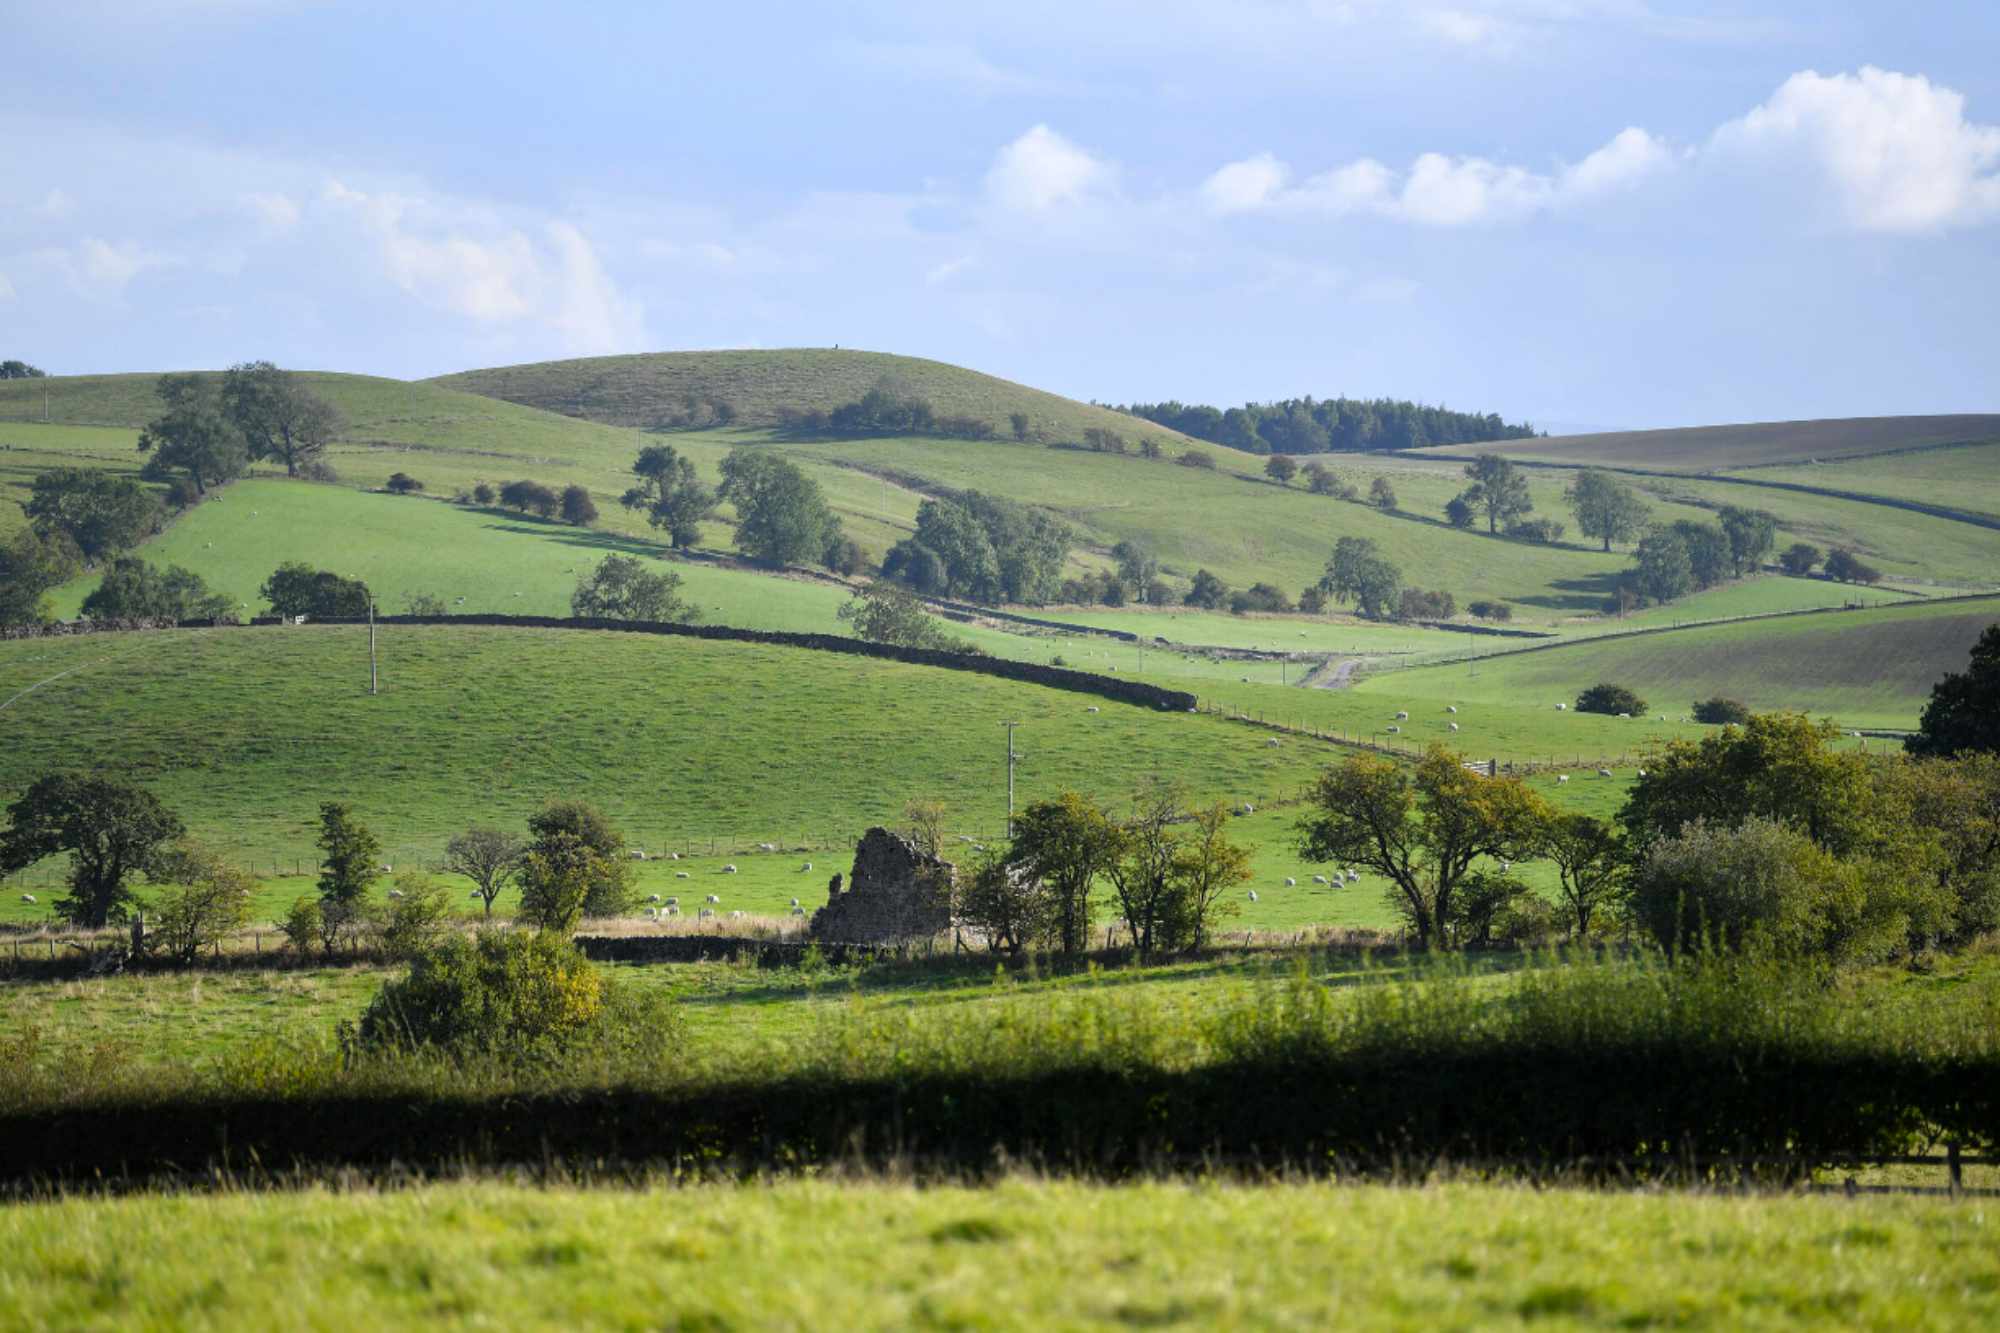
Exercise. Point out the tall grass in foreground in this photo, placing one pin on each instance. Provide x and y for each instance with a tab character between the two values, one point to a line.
1620	1065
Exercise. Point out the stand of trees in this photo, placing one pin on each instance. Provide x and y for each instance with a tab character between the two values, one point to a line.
982	548
20	370
134	590
892	407
1340	425
781	516
671	493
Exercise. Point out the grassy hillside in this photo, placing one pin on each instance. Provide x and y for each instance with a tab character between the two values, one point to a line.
1717	448
889	1256
1965	478
1870	668
649	390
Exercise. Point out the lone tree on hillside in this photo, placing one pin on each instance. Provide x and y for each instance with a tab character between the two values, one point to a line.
110	829
781	516
621	588
1751	533
1847	567
195	435
278	416
671	493
1381	494
402	483
1605	507
1498	488
529	495
20	370
1612	699
489	857
578	509
1281	469
102	514
1423	829
296	589
887	612
1798	559
1963	714
31	565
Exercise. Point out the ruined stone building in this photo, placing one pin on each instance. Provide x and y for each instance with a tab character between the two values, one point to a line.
895	892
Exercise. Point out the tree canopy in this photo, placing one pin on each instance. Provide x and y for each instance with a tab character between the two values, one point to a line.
100	513
134	590
887	612
622	588
1963	715
110	829
671	493
1498	488
195	435
31	565
297	589
983	548
277	415
1310	426
1605	507
781	516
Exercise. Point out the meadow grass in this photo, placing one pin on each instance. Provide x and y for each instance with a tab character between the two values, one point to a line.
1869	668
1965	478
1024	1254
1716	448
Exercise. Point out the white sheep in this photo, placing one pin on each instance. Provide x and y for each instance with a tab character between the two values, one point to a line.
795	902
475	894
714	898
673	856
1561	707
1402	716
1291	883
1092	709
767	846
1603	772
682	874
1562	777
807	866
1451	708
1319	879
1395	731
1271	744
386	868
653	898
1354	877
638	854
395	893
1626	716
652	912
673	902
28	898
729	869
737	915
798	911
704	914
1452	725
672	911
1642	772
1253	895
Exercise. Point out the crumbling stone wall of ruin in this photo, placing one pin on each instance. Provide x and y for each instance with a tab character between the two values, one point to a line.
896	891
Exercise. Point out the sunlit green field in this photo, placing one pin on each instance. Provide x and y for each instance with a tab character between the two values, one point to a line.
1022	1255
1966	478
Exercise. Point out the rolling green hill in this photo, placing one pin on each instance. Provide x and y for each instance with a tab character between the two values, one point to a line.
1718	448
650	389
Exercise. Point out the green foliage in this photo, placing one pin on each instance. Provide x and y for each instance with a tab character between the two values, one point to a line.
1541	531
30	566
489	857
302	926
402	483
1485	610
1197	458
416	916
1013	912
578	509
781	516
1662	569
1381	494
1846	567
671	494
194	435
1281	469
1417	604
296	589
1708	551
1137	567
112	830
1207	591
1605	507
1424	830
1589	858
574	852
1963	715
1459	512
99	513
1357	573
885	612
519	996
203	900
280	418
1799	558
1751	533
529	496
1306	425
134	590
984	549
12	369
1718	711
1499	488
350	856
1266	597
620	587
1065	845
1613	699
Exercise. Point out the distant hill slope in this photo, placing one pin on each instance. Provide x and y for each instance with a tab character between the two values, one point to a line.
650	389
1721	448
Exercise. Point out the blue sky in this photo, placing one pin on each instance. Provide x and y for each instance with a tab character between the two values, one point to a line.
1583	212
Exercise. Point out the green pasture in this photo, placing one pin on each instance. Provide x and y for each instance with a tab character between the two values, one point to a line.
1763	594
1865	668
246	731
1025	1254
1717	448
1963	478
648	389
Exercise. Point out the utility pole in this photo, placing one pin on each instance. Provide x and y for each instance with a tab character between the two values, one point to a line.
1011	757
371	645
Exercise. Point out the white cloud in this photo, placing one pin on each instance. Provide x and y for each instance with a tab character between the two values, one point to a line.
1042	171
462	258
1244	187
1437	190
948	270
276	210
1461	27
115	264
56	204
1895	150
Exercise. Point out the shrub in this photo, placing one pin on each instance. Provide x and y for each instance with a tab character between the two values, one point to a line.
844	556
1459	513
1846	567
1312	599
417	916
1482	897
1020	424
1281	468
1799	558
1720	710
1610	699
482	494
319	470
529	495
1200	458
1491	610
1260	597
425	604
1420	605
402	483
183	494
518	996
1546	531
1149	447
1765	886
301	926
1381	494
203	900
578	509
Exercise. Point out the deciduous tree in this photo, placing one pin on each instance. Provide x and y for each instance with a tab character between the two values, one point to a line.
622	588
1605	507
100	513
671	493
110	829
489	857
1065	844
1963	715
1498	488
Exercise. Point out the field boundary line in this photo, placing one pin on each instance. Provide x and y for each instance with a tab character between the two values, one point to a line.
47	680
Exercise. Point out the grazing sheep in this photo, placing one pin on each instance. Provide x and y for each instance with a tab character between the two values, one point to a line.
1603	772
672	911
736	915
767	846
1562	777
653	898
807	866
1291	883
386	868
1246	809
652	912
682	874
1402	717
1451	708
978	846
1092	709
28	898
1506	866
729	869
704	914
1642	772
673	902
1319	879
1395	731
714	898
1561	707
1452	725
1271	744
798	911
1626	716
395	893
795	902
1354	877
638	854
475	894
1253	895
673	856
